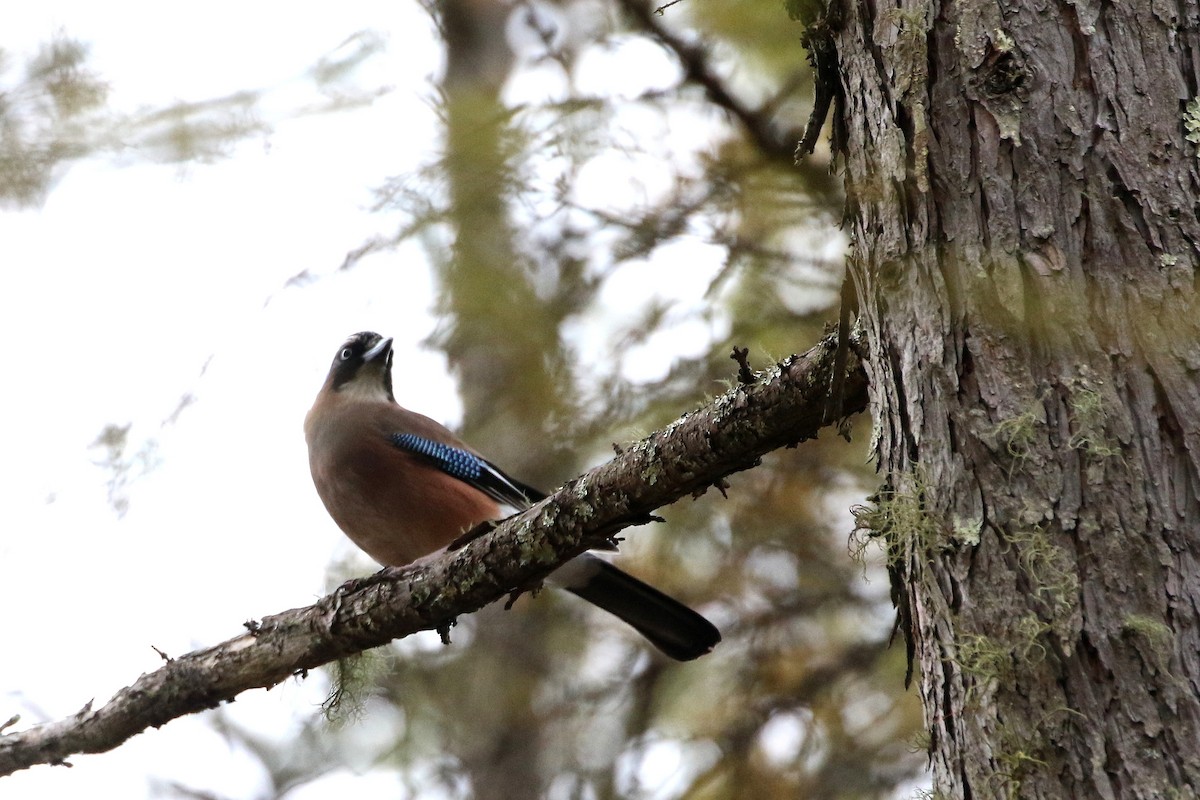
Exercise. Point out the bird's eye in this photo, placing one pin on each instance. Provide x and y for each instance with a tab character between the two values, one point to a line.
346	354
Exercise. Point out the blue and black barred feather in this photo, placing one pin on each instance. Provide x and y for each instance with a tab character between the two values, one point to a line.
470	469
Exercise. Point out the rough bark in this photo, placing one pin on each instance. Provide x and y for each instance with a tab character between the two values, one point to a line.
1023	204
784	405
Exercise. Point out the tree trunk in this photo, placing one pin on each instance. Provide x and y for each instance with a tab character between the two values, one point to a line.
483	292
1023	203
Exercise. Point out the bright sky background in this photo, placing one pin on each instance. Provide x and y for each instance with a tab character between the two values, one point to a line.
116	295
138	284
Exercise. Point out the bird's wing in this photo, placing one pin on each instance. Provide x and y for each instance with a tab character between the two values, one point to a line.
469	468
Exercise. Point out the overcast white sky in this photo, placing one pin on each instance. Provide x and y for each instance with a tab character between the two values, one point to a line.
138	284
115	296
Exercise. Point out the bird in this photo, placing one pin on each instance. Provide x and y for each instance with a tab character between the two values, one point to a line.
402	486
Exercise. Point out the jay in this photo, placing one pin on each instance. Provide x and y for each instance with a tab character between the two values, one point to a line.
402	486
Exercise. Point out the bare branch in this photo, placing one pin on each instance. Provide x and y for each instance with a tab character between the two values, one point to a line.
771	139
695	60
785	405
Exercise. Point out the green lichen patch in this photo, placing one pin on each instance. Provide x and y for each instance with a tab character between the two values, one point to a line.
1191	122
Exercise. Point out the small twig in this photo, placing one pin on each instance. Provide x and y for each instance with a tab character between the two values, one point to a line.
819	39
540	23
773	140
696	64
741	356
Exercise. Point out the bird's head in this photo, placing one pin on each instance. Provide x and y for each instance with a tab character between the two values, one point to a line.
362	368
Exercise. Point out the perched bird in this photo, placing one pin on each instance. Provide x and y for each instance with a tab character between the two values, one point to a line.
402	486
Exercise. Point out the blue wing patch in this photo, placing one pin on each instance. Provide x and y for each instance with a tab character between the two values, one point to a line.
470	469
450	460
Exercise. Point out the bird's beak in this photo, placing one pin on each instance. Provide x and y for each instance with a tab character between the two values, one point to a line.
379	351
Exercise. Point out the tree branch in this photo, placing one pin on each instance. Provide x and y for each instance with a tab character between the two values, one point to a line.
782	406
695	59
772	140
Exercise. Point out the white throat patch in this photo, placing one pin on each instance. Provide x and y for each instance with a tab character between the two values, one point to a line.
364	389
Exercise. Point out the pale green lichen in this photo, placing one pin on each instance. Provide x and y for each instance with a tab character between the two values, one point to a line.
897	518
652	473
1027	645
1158	634
534	549
1015	759
1155	638
1088	414
353	678
966	531
920	741
1191	122
989	658
930	794
987	661
1048	568
1018	433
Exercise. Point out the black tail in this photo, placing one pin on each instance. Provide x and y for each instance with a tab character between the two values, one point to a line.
668	624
